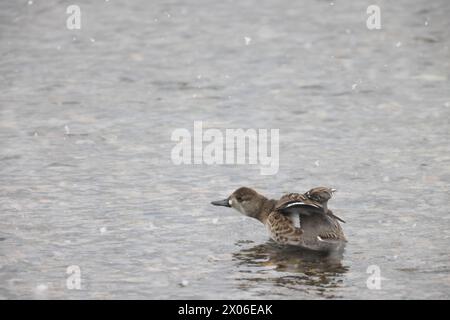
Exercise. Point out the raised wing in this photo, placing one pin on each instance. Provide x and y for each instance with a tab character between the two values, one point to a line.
323	228
289	203
316	232
329	212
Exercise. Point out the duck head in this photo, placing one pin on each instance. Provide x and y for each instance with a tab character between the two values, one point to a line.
245	200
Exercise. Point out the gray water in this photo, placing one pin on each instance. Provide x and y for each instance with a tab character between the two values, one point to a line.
86	118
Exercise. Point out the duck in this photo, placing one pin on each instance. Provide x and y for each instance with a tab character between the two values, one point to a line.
295	219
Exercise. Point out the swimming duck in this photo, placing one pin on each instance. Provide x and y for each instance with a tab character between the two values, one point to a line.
294	219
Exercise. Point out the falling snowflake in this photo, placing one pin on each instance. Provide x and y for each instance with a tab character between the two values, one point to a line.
41	287
151	226
184	283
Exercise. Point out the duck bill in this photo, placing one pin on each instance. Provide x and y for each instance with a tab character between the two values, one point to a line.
223	203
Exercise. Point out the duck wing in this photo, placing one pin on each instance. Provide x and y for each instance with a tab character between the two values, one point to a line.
297	203
329	212
322	227
316	232
316	224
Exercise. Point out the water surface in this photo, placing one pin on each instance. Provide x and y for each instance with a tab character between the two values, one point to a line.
86	173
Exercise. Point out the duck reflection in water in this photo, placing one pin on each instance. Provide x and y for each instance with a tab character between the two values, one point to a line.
290	267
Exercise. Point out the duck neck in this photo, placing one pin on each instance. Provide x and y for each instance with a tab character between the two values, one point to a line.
267	207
